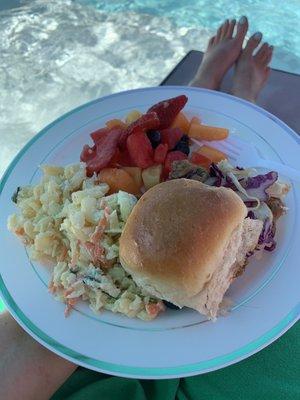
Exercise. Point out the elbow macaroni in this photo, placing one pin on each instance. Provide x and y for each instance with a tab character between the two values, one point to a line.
60	220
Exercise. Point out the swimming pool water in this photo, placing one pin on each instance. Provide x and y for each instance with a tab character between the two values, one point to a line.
58	54
277	19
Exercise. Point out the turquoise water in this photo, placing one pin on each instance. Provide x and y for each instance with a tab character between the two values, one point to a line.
58	54
277	19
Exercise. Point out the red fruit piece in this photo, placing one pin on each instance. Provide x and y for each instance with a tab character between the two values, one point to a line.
145	122
140	150
87	153
201	160
99	133
106	147
125	159
160	153
171	157
167	110
171	137
121	159
114	162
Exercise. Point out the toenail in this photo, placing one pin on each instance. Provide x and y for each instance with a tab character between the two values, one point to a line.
271	48
242	20
257	36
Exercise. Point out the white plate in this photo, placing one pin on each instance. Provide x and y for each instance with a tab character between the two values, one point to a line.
178	343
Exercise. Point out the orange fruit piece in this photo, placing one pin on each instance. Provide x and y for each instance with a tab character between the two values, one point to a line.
195	120
212	153
181	122
135	173
205	132
118	179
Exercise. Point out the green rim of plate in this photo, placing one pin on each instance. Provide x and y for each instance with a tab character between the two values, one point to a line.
189	369
195	368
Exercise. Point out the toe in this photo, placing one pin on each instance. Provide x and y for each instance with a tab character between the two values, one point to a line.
267	74
252	43
220	31
269	55
219	34
262	53
224	29
211	42
242	28
231	28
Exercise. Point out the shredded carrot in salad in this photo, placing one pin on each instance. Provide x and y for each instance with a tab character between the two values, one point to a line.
70	303
153	309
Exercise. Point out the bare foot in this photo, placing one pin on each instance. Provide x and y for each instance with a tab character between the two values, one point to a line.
252	71
222	51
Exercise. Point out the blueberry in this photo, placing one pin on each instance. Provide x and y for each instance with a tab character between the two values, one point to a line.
185	139
154	137
170	305
183	145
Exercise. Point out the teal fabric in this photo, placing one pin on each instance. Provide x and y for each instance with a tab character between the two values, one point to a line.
273	373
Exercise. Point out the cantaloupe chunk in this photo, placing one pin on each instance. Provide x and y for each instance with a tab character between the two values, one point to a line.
181	122
212	153
136	174
205	132
118	179
195	120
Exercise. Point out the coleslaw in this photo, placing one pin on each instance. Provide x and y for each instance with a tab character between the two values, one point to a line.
68	221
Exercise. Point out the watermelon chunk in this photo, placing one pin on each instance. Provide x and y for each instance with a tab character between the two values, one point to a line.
160	153
99	133
140	149
106	146
144	123
167	110
171	137
201	160
87	153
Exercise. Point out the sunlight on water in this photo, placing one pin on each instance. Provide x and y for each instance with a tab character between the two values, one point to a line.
60	54
278	20
56	57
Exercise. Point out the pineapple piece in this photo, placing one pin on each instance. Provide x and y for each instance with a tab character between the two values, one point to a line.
151	176
132	116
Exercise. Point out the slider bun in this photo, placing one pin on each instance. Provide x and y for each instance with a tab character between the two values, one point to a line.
176	237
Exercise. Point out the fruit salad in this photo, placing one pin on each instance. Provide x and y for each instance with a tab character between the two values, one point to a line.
135	154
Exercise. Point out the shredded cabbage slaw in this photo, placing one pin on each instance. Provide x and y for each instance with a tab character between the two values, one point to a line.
68	221
255	190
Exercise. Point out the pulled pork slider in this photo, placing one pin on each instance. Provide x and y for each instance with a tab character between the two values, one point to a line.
185	242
